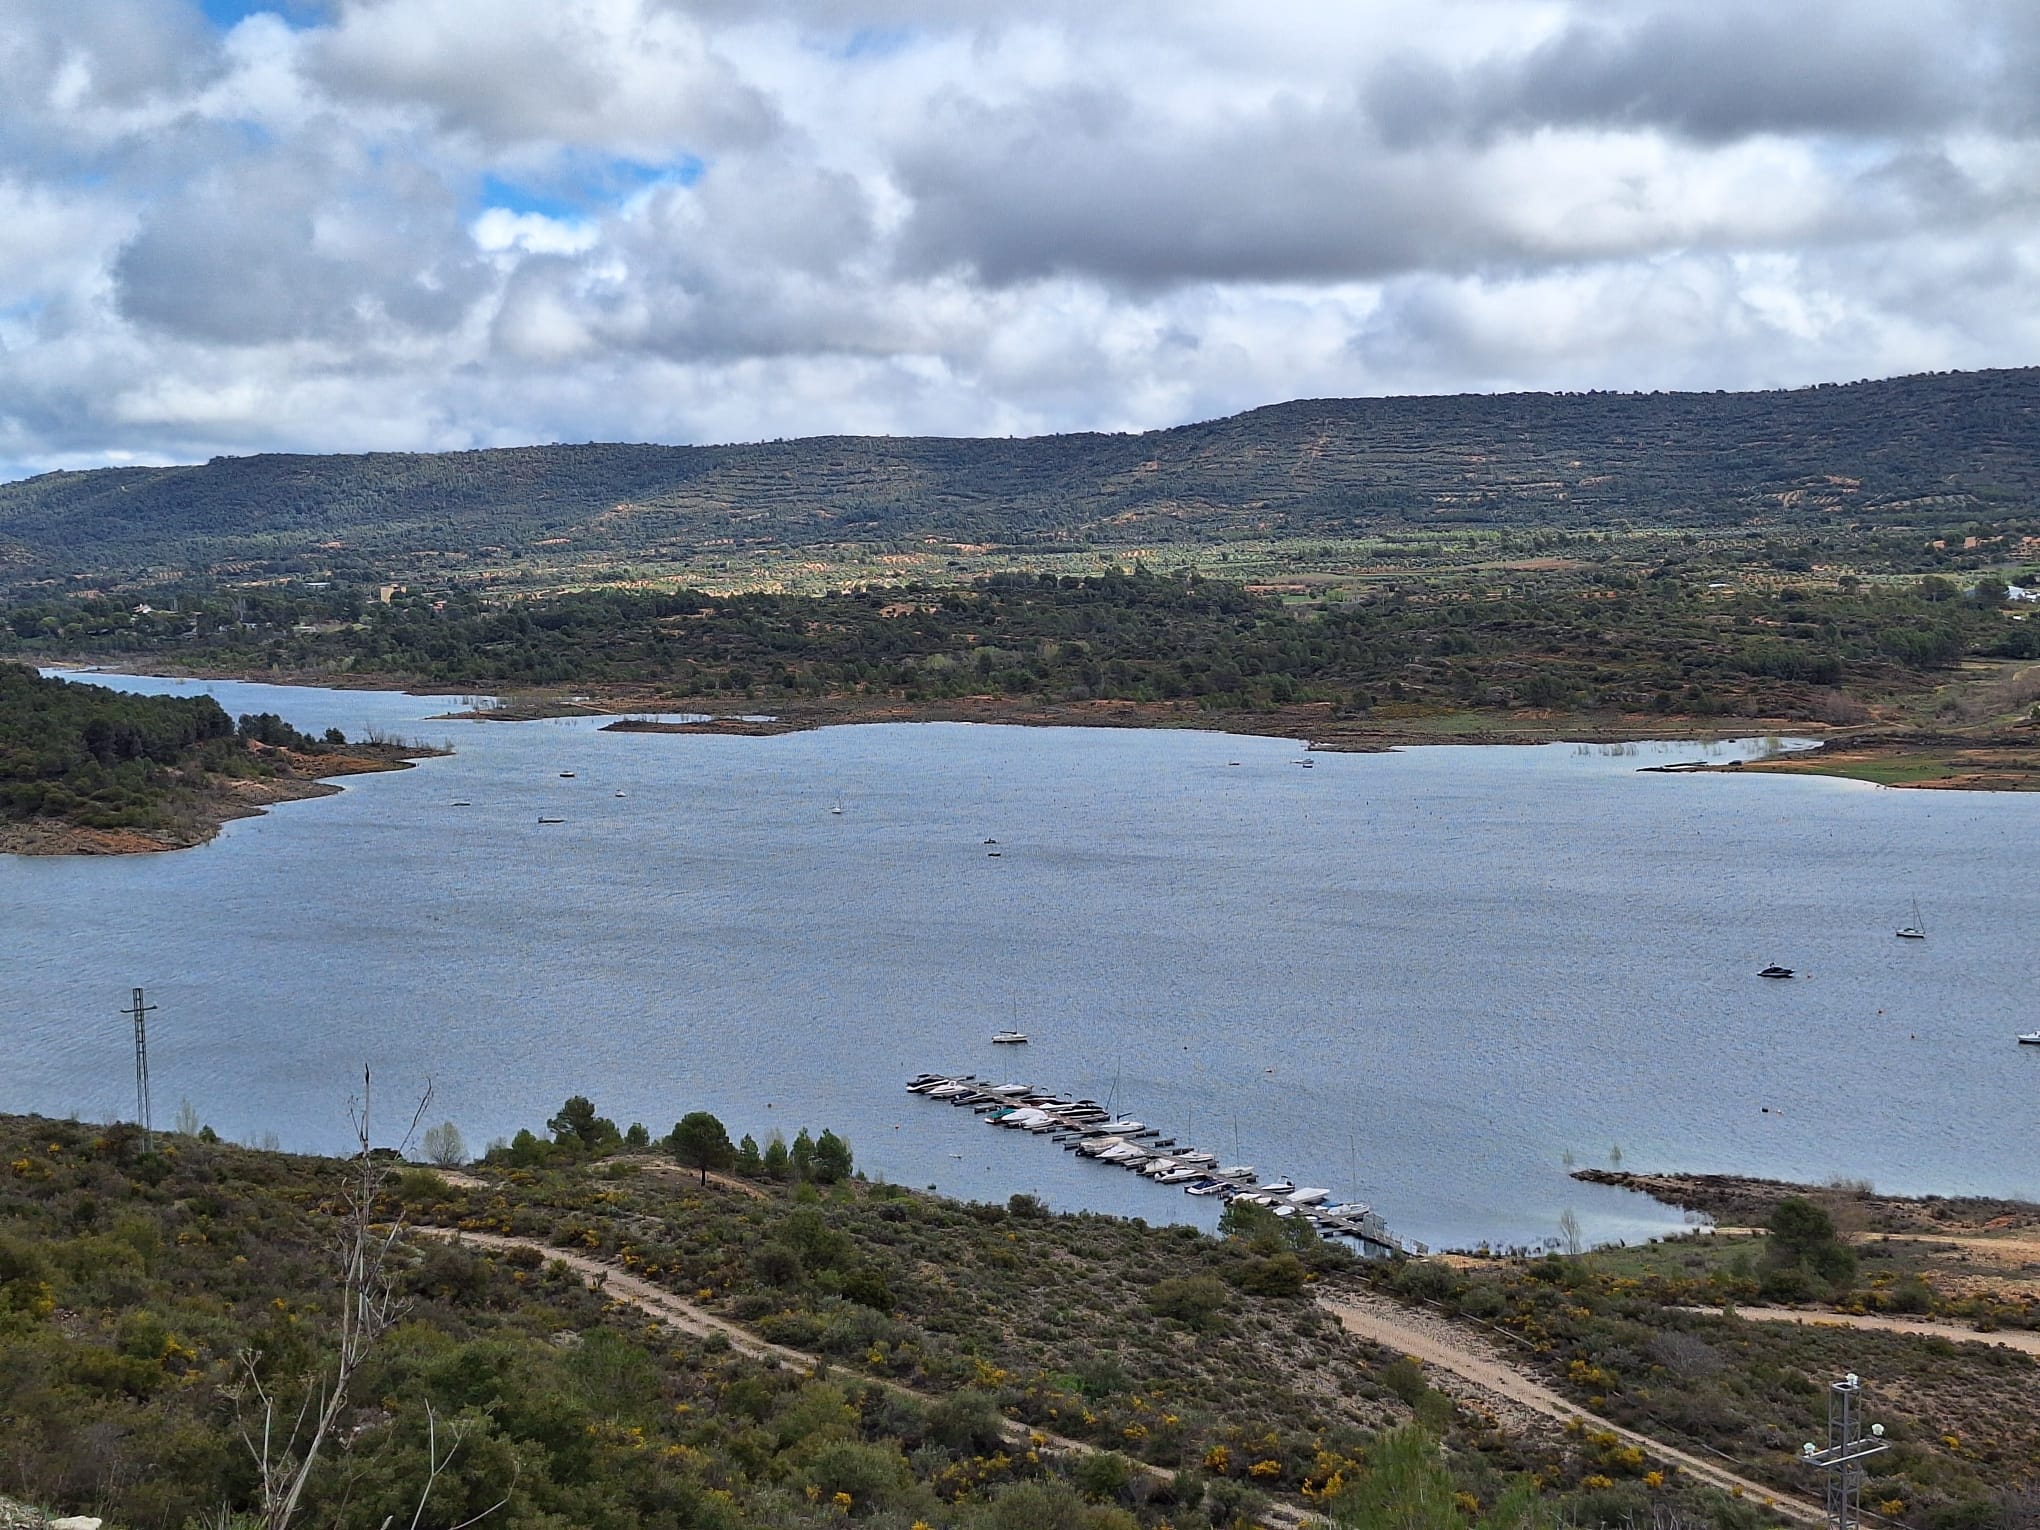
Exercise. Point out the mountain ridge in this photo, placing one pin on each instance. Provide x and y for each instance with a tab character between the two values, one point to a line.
1930	447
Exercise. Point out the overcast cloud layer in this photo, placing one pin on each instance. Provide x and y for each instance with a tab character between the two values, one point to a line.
446	223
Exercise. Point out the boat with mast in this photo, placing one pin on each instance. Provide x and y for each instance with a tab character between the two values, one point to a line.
1917	930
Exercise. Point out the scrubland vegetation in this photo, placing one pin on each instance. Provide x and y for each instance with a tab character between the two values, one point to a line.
973	1365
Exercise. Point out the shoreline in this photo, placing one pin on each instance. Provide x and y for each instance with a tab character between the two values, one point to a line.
1742	1200
1905	760
219	804
1313	726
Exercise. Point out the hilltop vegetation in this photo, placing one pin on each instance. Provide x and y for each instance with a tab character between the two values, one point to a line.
143	1292
1927	449
984	1367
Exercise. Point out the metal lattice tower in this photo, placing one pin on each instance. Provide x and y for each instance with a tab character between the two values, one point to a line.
1846	1446
140	1012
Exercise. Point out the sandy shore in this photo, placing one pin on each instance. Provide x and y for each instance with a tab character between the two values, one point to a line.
219	803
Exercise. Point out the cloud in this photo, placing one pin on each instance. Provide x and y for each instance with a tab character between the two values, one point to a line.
291	245
438	223
611	75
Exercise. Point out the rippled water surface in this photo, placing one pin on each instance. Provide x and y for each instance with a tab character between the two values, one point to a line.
1423	979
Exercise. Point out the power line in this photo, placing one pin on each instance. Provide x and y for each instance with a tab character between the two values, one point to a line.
140	1010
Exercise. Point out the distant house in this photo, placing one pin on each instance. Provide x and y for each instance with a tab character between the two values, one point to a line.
2015	592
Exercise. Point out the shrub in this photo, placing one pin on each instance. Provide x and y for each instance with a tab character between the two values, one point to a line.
1191	1299
1270	1275
967	1422
1103	1477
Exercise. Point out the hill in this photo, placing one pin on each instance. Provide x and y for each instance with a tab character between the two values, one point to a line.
1927	449
84	768
580	1331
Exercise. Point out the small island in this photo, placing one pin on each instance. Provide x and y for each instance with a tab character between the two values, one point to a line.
85	770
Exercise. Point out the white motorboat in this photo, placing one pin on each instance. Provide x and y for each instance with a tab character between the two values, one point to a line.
1009	1038
2029	1038
1310	1195
1279	1186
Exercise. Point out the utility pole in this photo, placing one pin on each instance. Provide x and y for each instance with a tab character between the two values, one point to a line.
140	1011
1845	1447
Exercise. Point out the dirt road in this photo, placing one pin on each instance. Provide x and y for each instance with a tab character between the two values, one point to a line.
2011	1338
635	1291
1491	1376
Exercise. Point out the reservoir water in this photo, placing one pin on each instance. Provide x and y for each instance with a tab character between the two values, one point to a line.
1427	979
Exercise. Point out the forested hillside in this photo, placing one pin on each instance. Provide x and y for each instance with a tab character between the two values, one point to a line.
85	767
1613	643
1916	450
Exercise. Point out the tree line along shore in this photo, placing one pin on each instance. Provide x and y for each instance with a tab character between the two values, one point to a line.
1908	682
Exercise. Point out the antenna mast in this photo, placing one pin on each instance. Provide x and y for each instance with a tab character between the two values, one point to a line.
140	1012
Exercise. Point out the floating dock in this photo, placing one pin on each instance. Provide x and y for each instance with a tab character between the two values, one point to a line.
1087	1128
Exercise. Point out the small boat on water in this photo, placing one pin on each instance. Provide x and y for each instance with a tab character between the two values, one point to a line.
1279	1186
543	819
1009	1038
1309	1196
621	792
460	802
1917	930
566	775
2029	1038
838	808
1775	971
1207	1187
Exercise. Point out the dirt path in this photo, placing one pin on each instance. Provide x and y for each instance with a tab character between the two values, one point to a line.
2009	1250
636	1291
2013	1338
1443	1346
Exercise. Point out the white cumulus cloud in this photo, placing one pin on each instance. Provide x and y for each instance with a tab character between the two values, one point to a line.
442	223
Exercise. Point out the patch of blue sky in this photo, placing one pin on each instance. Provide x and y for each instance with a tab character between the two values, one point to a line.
231	13
584	186
228	14
872	42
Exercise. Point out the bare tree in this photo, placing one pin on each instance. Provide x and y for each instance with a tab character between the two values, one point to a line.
1569	1230
443	1145
435	1463
370	1306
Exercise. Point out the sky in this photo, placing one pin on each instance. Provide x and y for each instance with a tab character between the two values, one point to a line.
229	226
